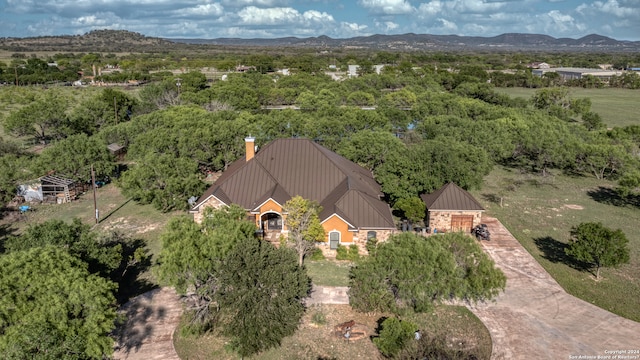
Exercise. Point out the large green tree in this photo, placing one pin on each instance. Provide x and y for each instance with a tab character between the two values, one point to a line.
52	308
75	238
409	273
261	295
599	246
163	180
192	255
73	157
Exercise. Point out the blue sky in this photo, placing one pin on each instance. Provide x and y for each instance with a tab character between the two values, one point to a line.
619	19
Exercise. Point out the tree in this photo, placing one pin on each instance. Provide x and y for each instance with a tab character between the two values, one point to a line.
52	307
76	239
162	180
303	224
595	244
413	209
409	273
394	336
261	294
73	157
43	118
192	255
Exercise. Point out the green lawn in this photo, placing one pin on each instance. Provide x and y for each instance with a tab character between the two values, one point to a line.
329	272
539	212
617	107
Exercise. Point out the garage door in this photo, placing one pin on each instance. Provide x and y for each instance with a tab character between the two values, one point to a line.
462	223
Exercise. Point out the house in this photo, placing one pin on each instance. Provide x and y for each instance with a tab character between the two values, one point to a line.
451	208
263	181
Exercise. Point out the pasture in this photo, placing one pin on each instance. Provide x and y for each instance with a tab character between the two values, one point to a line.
617	107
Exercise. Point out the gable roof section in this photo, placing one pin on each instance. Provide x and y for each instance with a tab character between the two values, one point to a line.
288	167
451	197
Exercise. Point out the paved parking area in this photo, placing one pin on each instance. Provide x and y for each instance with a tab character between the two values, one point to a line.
536	319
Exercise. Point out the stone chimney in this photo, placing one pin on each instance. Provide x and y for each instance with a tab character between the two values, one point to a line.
250	147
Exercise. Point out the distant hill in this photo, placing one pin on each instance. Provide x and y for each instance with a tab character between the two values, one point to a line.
409	42
126	41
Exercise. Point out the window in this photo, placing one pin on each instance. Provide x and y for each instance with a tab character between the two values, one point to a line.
334	240
372	235
274	221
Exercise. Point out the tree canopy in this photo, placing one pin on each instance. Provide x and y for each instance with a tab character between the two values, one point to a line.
261	292
599	246
52	307
192	255
409	273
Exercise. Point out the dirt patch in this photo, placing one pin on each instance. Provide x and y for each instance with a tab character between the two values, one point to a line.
122	224
574	206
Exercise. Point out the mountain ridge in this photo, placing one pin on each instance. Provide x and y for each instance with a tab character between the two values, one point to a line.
123	40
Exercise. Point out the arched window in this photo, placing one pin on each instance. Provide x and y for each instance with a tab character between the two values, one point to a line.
334	240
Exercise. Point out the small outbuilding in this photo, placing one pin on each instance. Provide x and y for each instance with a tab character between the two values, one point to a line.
58	189
451	209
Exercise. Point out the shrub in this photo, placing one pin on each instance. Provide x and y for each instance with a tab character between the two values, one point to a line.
319	318
394	336
347	253
316	255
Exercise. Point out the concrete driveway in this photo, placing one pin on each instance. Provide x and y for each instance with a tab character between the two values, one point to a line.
536	319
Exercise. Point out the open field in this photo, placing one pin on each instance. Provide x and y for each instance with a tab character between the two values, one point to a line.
316	341
117	213
617	107
540	212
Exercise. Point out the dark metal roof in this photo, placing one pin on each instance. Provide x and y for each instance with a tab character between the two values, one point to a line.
288	167
451	197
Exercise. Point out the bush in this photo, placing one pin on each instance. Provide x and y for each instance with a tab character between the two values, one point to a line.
316	255
319	318
394	336
347	253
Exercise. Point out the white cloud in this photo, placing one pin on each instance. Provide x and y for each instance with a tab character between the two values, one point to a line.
208	10
257	3
281	16
387	7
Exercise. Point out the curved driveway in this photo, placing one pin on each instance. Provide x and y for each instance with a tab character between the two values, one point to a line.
536	319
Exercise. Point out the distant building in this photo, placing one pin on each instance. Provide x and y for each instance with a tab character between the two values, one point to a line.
353	70
579	73
538	65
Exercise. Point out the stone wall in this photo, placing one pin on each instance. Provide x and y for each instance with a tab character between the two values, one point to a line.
441	220
211	202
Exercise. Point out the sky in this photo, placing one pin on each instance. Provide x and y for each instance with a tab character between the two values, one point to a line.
208	19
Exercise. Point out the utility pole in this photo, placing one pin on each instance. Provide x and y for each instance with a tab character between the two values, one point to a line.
95	201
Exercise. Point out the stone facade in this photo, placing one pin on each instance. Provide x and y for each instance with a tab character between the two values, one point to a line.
211	202
441	220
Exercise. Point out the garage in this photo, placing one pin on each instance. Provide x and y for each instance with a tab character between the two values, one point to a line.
452	209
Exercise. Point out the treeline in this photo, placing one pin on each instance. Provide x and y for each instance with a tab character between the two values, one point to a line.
415	129
30	69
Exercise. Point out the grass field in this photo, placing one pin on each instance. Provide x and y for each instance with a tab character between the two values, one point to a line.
541	211
617	107
117	213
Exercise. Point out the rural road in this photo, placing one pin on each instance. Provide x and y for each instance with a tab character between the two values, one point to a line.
536	319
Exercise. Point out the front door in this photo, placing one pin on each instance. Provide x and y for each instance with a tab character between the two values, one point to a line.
334	240
462	223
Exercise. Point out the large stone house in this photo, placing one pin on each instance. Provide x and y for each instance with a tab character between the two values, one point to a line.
263	181
451	209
